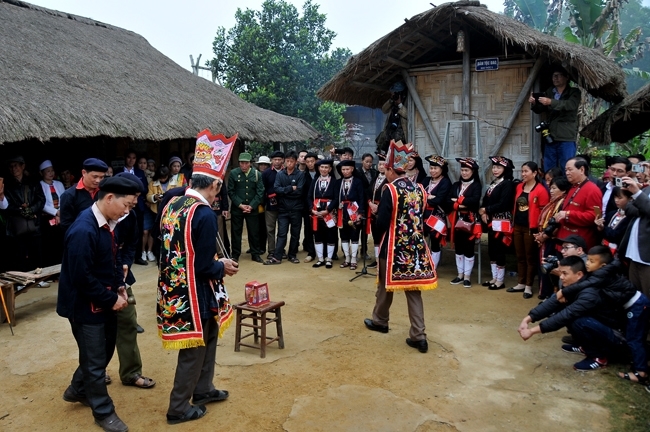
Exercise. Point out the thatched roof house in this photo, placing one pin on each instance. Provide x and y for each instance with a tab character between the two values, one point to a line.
65	77
462	62
430	38
623	121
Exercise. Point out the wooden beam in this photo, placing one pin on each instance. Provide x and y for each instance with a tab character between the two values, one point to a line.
380	73
467	70
368	85
521	99
413	93
397	62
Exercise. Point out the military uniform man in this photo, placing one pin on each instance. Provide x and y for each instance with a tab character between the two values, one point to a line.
246	191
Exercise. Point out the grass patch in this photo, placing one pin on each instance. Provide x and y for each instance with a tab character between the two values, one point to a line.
628	404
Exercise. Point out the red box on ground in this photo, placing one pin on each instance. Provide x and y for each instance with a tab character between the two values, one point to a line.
257	293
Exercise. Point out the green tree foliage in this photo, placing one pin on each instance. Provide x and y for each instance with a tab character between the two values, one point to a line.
278	59
543	15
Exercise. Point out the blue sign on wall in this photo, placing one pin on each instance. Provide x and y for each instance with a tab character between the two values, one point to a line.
487	64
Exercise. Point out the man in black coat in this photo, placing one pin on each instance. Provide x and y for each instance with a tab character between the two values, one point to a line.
288	187
593	323
368	177
635	246
91	291
80	197
618	167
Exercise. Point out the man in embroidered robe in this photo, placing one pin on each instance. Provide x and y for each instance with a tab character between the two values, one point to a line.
192	302
404	259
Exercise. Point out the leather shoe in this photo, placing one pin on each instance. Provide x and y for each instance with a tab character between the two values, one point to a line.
515	290
257	258
494	287
421	345
112	423
140	261
69	395
374	327
528	295
139	328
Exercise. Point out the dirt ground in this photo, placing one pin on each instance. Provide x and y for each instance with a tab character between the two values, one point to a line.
334	374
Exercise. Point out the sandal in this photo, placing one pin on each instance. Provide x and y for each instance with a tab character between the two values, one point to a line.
294	260
194	413
353	266
214	396
643	380
147	383
345	264
318	264
328	264
272	261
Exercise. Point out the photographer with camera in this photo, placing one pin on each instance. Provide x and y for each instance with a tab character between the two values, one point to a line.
397	121
560	128
634	246
617	167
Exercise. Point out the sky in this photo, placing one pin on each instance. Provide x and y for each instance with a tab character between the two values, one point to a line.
178	29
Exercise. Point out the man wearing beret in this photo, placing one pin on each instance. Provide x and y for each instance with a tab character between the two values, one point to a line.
91	291
78	198
246	191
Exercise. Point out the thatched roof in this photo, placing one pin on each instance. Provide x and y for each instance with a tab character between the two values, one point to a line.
65	76
430	39
623	121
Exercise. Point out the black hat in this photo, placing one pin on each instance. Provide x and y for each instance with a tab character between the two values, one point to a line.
320	162
346	150
502	161
468	163
18	159
347	163
575	240
94	164
276	154
122	185
436	160
132	178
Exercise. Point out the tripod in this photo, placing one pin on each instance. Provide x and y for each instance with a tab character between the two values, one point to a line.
364	270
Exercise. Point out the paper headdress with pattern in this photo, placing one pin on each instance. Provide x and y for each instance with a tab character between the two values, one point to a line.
397	156
212	154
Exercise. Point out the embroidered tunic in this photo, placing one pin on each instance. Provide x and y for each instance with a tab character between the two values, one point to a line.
400	218
190	284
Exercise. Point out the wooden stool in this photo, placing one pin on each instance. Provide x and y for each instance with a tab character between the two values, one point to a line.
258	313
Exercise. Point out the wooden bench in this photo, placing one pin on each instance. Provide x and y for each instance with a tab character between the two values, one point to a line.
10	279
260	320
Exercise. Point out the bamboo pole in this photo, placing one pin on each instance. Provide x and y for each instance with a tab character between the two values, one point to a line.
521	99
413	93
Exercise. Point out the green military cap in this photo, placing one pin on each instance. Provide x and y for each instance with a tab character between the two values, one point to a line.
245	157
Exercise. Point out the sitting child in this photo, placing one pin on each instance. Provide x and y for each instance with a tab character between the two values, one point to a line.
604	273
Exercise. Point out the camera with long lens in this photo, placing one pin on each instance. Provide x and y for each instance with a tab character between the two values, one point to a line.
550	263
551	227
543	128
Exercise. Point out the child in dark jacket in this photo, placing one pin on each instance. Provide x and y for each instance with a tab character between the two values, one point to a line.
605	274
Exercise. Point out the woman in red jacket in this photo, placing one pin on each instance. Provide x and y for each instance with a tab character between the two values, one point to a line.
530	198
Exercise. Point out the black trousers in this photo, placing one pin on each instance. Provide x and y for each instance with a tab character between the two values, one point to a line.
464	246
496	248
308	240
96	343
293	219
